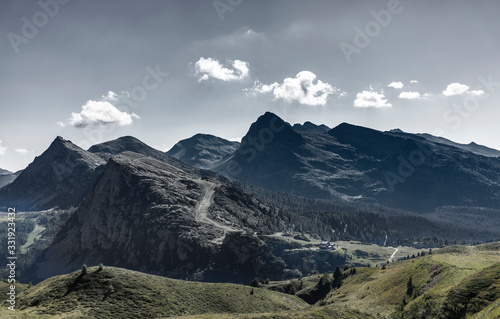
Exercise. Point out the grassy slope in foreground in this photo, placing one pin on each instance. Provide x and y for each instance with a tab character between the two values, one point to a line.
120	293
440	280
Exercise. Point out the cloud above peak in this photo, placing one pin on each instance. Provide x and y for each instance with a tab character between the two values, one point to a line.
212	69
101	113
303	88
371	99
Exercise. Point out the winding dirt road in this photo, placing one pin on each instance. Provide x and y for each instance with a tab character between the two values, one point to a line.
205	203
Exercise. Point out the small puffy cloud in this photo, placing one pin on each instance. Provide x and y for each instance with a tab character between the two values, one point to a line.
21	151
371	99
413	81
455	89
96	113
409	95
110	96
302	89
396	85
476	92
210	68
3	150
100	113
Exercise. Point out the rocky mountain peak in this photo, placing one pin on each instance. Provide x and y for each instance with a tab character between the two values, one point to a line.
61	176
310	127
271	129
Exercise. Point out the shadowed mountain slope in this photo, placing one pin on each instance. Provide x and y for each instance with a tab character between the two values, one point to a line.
203	150
60	177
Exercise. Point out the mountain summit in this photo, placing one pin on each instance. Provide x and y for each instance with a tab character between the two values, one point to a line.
395	169
60	177
203	150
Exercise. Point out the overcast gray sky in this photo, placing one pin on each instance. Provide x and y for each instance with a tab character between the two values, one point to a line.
92	71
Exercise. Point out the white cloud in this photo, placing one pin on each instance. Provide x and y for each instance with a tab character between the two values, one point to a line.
110	96
413	81
409	95
476	92
95	113
210	68
300	89
371	99
21	151
101	113
3	150
396	85
455	89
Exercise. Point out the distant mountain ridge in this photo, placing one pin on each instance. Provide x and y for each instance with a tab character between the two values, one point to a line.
311	128
9	178
5	172
400	170
471	147
203	150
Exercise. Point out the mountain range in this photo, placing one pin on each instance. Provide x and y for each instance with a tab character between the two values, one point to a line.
153	216
414	172
137	207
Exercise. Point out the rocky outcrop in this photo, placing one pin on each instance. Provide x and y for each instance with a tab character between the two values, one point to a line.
147	215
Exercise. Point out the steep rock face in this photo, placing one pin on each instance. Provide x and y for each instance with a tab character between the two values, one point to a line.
203	150
151	216
60	177
400	170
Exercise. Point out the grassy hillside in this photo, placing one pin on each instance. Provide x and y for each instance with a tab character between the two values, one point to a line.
119	293
456	282
453	282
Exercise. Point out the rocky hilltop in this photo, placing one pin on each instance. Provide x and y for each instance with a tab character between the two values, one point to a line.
152	216
60	177
203	150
